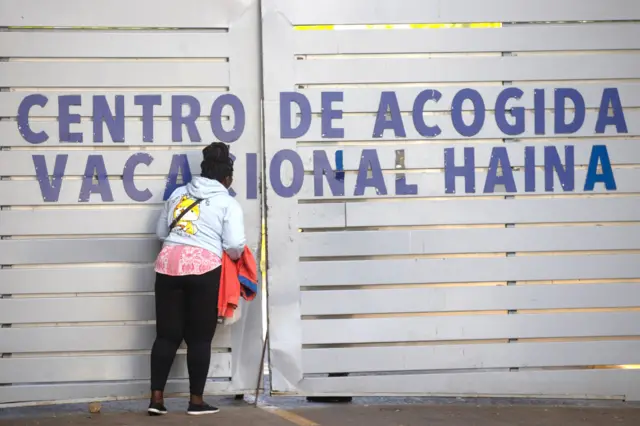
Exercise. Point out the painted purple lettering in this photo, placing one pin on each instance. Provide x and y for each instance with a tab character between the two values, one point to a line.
611	99
539	112
239	118
467	171
369	162
95	180
529	169
287	131
275	175
328	114
402	188
322	168
418	113
553	164
50	188
189	120
103	114
560	111
479	112
179	169
128	175
516	112
66	119
499	160
389	105
23	118
147	102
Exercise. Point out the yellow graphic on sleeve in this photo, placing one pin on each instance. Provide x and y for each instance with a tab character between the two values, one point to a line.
186	222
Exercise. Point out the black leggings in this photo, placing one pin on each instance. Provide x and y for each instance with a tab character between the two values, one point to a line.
186	308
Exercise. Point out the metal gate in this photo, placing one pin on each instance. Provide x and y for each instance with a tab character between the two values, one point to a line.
453	198
105	106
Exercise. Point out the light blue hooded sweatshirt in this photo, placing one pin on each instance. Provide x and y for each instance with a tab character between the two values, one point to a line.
216	224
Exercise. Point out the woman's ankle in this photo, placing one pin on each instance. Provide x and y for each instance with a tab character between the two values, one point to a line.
196	399
157	397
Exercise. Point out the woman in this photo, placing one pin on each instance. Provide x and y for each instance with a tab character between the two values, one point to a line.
198	222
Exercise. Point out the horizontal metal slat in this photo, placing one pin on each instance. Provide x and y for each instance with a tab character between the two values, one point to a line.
73	391
460	270
118	13
89	338
467	357
114	74
98	368
113	44
466	241
454	11
597	384
469	327
509	38
76	250
125	220
477	211
470	298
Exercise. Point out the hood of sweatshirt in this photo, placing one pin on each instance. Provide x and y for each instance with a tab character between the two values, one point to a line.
201	187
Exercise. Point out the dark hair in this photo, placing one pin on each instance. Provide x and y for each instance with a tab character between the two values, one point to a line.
216	162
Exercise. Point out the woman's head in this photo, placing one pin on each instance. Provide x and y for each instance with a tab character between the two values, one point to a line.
217	163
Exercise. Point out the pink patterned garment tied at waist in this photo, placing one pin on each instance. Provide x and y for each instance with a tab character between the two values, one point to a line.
178	260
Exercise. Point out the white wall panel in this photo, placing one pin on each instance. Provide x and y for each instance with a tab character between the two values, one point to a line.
531	292
76	278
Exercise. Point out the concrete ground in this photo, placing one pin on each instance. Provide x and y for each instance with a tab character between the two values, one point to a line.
363	411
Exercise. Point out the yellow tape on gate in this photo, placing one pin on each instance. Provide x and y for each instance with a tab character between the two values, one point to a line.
396	26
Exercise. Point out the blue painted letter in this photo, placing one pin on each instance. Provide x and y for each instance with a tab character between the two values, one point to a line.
286	129
275	173
215	118
402	187
552	163
478	115
102	114
50	189
369	161
561	125
529	169
179	168
128	174
600	155
177	119
516	112
95	170
418	113
322	167
389	103
611	97
499	159
451	171
66	119
23	118
329	114
539	112
147	102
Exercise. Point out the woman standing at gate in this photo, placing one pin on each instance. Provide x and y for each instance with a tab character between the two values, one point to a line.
198	222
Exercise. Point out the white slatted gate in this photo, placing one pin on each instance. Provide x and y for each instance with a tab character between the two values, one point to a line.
77	279
525	282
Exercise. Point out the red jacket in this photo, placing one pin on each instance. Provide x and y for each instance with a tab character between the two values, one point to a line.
238	279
